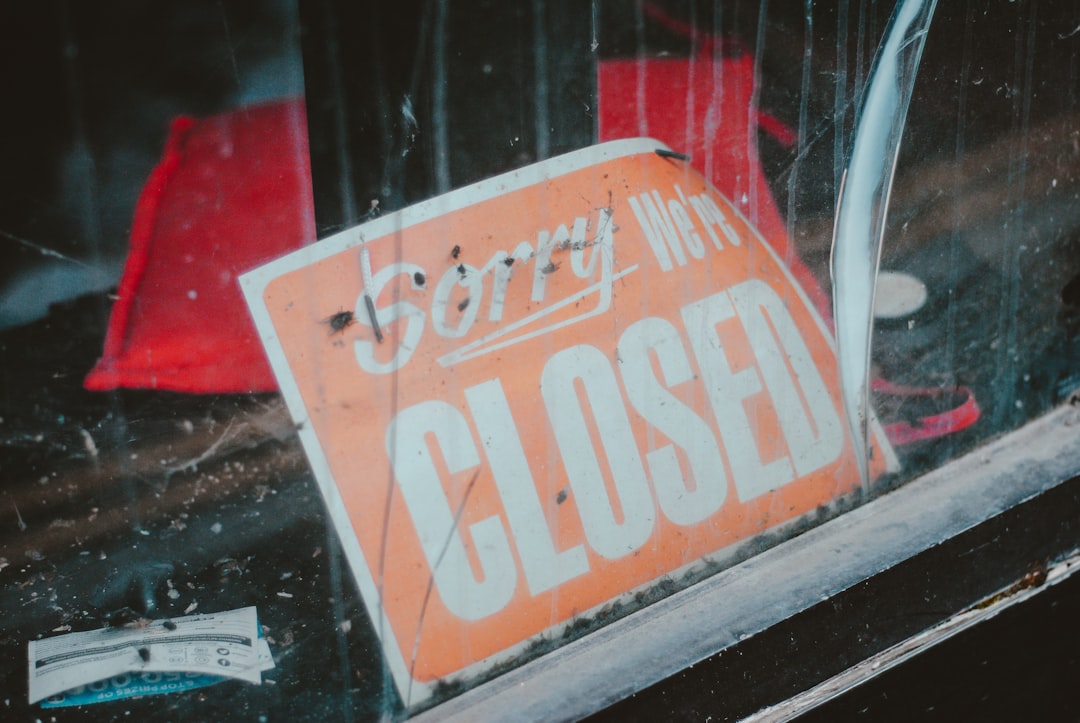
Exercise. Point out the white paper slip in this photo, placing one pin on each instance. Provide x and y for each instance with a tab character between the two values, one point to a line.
223	644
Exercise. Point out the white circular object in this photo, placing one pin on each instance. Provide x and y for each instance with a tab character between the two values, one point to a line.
898	295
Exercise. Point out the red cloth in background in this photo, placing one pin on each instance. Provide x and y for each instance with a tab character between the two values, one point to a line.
704	107
230	192
234	191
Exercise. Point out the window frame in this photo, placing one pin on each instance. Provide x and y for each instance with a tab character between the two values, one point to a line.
934	547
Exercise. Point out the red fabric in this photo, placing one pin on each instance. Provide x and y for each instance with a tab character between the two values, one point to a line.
234	191
932	426
704	107
230	192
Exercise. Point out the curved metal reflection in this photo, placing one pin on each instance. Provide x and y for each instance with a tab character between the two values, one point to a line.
862	206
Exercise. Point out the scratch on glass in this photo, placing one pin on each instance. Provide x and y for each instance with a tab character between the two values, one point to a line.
431	581
804	112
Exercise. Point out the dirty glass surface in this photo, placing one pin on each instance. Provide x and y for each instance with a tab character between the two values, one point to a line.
124	505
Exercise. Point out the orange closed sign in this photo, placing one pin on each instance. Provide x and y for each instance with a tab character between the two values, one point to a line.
593	374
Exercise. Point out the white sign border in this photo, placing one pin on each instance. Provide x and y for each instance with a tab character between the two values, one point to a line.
415	693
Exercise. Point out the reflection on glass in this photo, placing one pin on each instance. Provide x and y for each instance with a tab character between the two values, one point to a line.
184	487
